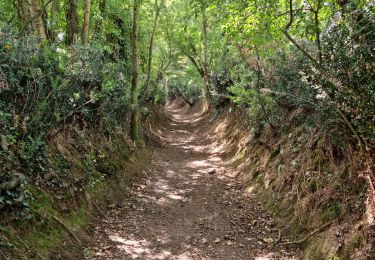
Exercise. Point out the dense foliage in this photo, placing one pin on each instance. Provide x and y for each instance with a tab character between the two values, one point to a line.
50	84
82	62
277	57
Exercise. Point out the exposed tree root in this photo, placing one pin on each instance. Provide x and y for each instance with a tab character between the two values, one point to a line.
62	224
278	238
67	229
303	239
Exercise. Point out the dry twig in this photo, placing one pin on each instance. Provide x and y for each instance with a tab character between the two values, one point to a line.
303	239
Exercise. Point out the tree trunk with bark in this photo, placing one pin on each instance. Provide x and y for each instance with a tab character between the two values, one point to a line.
37	19
206	77
54	14
134	123
22	13
86	22
71	22
150	50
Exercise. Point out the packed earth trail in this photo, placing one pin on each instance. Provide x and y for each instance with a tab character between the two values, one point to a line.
188	205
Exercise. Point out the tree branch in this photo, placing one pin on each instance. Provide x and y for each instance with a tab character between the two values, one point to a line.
195	63
323	72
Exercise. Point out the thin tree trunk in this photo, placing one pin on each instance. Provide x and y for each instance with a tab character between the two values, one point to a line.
150	50
134	46
45	16
134	123
37	19
205	56
86	23
72	22
179	92
160	76
326	74
260	99
22	12
257	87
55	11
156	84
99	24
317	29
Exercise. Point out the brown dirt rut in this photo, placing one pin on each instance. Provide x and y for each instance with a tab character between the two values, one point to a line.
188	205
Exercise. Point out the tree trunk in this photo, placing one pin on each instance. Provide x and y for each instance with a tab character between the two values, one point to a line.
206	79
45	6
317	32
156	84
150	50
260	99
37	19
99	23
86	23
259	76
22	13
71	22
55	12
179	93
134	123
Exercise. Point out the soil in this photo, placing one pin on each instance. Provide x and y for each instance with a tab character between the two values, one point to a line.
188	204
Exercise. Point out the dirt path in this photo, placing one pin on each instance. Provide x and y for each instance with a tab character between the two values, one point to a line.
186	207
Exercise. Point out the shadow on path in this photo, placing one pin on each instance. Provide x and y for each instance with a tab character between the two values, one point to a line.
187	206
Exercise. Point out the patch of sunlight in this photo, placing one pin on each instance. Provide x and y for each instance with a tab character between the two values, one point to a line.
232	174
180	131
196	176
220	128
137	249
265	257
162	186
222	146
194	148
250	189
271	256
199	163
214	159
162	255
187	256
175	197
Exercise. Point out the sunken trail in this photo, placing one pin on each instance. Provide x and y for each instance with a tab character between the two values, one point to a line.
188	204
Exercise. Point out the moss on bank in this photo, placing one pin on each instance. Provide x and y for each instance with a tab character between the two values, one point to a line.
61	207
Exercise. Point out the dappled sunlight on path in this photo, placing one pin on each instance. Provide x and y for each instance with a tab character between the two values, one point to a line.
189	204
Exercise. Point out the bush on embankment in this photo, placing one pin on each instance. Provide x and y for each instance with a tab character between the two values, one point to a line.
64	122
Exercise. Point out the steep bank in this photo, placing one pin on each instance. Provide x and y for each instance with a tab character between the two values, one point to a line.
206	193
211	180
89	169
310	183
